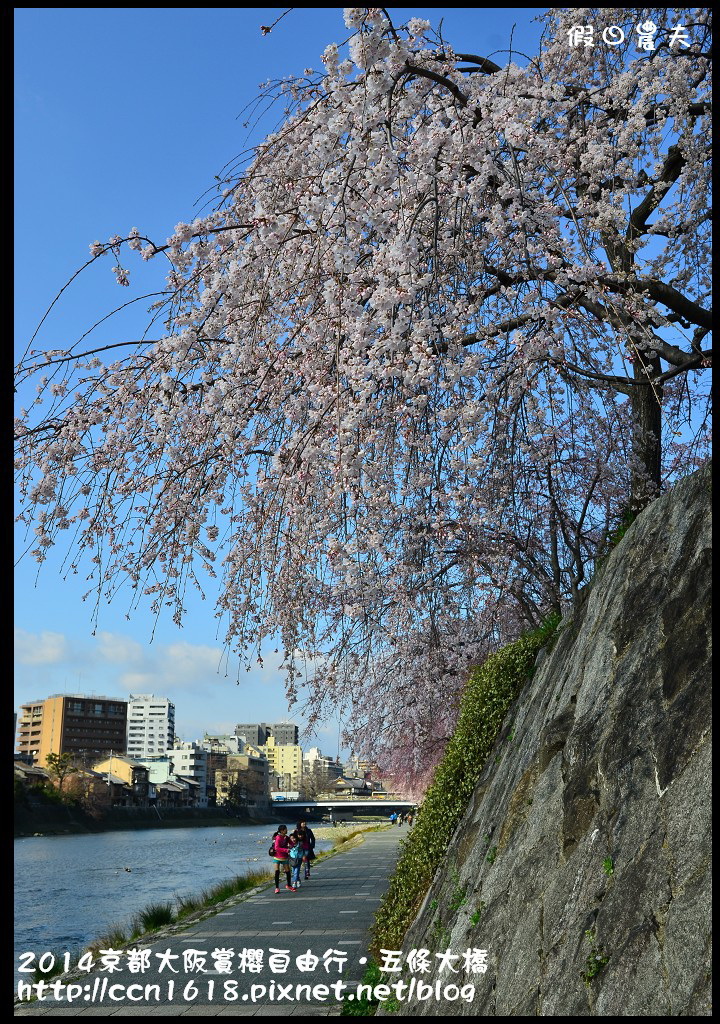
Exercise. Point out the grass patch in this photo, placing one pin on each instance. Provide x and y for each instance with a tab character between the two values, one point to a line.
219	893
475	916
597	958
159	915
365	1006
187	905
458	899
352	834
116	938
154	916
489	693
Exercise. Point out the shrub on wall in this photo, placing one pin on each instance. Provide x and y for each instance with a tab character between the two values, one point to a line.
489	693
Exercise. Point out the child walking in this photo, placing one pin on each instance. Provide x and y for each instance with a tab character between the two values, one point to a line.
297	855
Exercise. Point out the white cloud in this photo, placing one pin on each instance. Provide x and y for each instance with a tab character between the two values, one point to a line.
116	648
172	666
40	649
192	661
140	682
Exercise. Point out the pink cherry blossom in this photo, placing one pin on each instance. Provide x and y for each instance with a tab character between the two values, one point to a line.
448	322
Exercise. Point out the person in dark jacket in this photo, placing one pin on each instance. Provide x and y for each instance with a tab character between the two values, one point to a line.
308	845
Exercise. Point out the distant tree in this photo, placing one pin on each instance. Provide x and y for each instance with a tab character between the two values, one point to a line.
60	766
448	322
243	787
91	792
20	792
313	782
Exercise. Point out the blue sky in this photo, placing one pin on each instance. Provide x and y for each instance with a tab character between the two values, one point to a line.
123	117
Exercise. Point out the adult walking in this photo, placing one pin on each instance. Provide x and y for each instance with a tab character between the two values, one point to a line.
280	853
306	838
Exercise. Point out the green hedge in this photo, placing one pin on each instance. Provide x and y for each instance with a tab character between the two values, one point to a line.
489	693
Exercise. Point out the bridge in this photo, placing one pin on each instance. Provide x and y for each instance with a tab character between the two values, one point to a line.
339	810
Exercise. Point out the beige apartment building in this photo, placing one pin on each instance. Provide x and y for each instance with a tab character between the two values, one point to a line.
285	762
243	781
88	727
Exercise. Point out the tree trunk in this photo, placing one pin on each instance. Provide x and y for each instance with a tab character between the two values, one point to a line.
647	433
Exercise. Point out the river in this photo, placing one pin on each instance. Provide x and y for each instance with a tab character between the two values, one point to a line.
71	890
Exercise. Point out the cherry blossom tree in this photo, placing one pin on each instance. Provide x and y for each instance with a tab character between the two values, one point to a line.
437	332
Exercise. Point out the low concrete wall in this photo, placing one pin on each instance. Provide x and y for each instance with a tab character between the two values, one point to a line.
56	819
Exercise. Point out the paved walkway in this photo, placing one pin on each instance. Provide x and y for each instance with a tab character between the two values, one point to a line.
303	947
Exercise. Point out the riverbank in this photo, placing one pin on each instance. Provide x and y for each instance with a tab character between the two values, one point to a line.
53	819
341	833
59	820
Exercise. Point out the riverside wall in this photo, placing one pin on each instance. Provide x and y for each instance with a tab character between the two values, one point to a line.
582	865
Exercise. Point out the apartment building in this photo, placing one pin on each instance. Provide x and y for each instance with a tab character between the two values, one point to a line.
285	762
217	750
190	762
257	733
223	744
355	768
132	775
244	782
319	770
150	725
87	727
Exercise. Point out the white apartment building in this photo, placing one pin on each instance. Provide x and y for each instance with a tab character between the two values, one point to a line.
150	725
190	762
318	772
225	744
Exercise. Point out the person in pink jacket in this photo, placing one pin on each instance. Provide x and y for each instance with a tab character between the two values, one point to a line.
281	845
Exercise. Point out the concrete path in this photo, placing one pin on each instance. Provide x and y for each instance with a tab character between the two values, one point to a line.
271	955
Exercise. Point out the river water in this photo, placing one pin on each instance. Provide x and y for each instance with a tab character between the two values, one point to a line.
71	890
